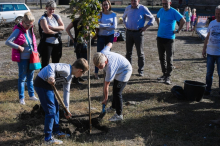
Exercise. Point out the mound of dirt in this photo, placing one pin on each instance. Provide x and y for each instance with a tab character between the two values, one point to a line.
75	126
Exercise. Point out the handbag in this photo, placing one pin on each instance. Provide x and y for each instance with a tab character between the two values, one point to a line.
34	58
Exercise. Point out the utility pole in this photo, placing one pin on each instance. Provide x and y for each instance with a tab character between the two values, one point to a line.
41	4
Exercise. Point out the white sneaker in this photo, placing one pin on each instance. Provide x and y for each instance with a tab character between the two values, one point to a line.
53	141
22	101
34	98
110	110
116	117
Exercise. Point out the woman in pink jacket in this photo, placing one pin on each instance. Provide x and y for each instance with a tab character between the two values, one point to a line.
22	40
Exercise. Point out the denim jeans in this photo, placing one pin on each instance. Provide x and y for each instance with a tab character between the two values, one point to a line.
211	60
102	41
117	101
51	109
25	73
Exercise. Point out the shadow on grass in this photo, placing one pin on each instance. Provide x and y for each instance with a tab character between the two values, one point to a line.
7	85
190	40
182	122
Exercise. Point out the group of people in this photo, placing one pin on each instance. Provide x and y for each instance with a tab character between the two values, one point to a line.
116	67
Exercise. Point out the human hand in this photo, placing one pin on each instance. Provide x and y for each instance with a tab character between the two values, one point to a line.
51	80
50	27
21	49
204	53
67	115
143	29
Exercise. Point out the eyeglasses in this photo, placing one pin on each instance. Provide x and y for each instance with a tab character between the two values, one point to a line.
28	24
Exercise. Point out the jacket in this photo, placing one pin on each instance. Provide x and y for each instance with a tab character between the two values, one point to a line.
20	40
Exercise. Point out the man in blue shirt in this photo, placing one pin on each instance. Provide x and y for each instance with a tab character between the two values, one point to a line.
166	19
134	18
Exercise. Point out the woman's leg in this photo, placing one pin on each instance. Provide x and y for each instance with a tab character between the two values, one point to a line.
100	46
56	53
23	68
30	84
46	53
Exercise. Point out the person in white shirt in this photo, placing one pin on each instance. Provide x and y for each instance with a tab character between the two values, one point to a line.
211	49
117	68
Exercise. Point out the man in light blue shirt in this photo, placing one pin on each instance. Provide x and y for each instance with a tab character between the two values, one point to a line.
166	19
134	19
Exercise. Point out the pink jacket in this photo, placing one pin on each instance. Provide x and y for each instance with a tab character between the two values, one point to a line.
20	40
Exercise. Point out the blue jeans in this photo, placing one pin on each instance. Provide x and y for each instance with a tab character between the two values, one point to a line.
51	109
102	41
25	72
211	60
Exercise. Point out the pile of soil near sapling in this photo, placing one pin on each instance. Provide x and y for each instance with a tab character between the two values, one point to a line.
33	123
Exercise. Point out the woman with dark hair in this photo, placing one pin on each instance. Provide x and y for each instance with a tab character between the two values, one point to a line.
107	25
80	48
50	25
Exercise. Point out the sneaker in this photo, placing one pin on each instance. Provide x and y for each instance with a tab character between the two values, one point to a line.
53	141
110	110
116	117
167	81
61	135
162	77
34	98
207	93
140	74
22	101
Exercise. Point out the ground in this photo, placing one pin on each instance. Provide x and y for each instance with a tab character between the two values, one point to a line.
154	116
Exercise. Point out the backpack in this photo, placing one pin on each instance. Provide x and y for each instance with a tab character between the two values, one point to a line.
39	27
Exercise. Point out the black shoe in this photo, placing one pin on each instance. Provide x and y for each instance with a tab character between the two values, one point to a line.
140	74
167	81
81	79
207	93
162	77
76	81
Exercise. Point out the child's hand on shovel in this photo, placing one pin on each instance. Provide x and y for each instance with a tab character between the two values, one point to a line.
51	80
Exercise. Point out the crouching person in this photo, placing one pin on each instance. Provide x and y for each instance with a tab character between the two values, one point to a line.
117	68
58	73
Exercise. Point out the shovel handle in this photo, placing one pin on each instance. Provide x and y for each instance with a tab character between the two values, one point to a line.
60	100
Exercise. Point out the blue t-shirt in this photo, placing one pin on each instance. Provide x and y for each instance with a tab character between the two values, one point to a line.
167	22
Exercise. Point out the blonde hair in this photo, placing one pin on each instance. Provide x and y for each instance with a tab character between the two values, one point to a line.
51	3
99	58
193	11
189	11
28	17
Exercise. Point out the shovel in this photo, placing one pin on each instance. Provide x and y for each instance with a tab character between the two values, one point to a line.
60	100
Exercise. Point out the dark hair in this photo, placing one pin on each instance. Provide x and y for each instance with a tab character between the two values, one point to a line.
81	63
109	3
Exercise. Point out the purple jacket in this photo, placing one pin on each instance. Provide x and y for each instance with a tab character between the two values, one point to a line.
20	40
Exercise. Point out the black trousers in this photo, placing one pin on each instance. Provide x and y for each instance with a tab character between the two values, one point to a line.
166	52
50	50
117	101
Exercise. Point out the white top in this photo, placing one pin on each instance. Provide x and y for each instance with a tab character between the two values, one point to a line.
118	67
107	24
51	22
213	46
